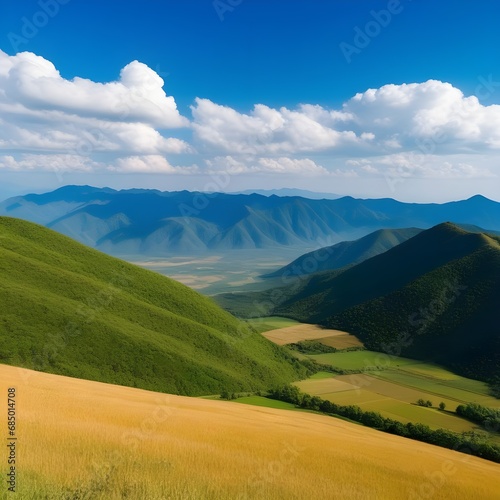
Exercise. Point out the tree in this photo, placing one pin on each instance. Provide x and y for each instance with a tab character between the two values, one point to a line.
442	405
428	404
421	402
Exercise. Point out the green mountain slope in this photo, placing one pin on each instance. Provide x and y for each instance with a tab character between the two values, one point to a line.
433	297
70	310
345	253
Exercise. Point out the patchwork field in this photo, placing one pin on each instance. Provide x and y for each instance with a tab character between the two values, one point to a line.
361	360
390	385
80	439
301	331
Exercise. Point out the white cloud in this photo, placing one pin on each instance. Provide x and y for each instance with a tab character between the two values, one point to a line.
47	163
418	130
265	130
280	165
430	117
152	164
138	96
413	165
64	163
41	111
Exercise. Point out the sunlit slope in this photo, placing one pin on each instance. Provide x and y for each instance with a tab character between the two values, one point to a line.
71	310
110	442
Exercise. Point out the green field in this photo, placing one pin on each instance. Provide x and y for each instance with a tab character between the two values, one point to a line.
436	388
361	360
394	389
266	402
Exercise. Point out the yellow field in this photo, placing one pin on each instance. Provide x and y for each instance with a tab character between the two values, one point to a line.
296	333
80	439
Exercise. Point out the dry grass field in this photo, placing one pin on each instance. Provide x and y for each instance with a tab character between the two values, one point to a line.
88	440
296	333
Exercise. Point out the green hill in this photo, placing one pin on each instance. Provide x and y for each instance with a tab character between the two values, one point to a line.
345	253
70	310
433	297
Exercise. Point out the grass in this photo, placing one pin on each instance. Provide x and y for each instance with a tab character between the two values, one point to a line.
359	360
70	310
320	375
266	402
270	323
460	391
84	439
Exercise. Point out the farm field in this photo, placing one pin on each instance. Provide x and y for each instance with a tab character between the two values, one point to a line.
362	360
86	439
391	386
301	331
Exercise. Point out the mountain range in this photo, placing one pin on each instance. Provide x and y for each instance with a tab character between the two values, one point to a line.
155	223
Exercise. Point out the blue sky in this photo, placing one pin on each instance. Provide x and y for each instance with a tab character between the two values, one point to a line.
236	77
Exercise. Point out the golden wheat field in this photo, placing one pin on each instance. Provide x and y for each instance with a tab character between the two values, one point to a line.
88	440
296	333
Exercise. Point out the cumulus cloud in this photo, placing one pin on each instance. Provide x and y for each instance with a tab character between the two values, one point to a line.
267	131
412	165
63	163
41	111
48	163
152	164
34	82
421	130
280	165
431	117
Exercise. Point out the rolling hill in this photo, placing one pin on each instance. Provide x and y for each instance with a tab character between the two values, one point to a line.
345	253
72	310
155	223
432	297
97	441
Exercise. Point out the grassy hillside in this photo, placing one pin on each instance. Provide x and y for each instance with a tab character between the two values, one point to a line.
110	442
70	310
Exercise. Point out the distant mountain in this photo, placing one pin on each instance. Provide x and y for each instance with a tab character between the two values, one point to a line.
155	223
345	253
70	310
313	195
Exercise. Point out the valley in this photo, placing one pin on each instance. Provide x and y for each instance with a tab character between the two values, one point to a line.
72	311
236	271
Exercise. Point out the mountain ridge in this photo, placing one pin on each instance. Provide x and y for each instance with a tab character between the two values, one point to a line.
182	222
